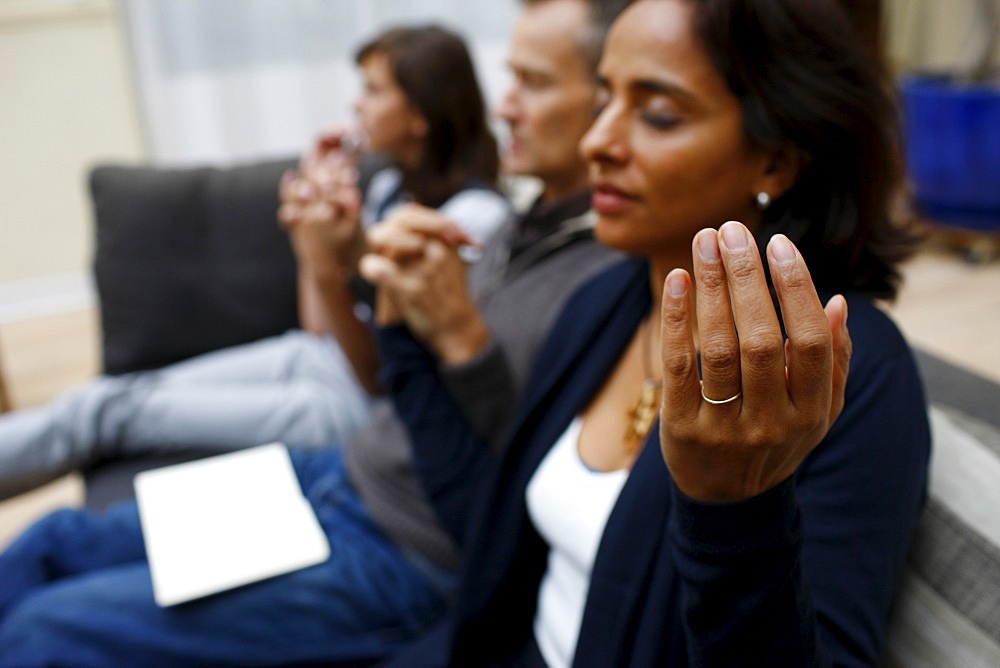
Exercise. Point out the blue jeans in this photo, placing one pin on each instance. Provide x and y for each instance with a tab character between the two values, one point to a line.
75	588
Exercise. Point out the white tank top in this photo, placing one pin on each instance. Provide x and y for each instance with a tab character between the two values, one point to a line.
569	505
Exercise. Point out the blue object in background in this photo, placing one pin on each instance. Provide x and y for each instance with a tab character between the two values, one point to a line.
952	134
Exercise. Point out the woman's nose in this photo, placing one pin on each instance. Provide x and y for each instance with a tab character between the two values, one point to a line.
606	140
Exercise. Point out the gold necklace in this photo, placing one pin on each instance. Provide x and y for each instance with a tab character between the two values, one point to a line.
640	417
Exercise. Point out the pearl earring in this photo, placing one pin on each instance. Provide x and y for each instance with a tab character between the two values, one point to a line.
763	200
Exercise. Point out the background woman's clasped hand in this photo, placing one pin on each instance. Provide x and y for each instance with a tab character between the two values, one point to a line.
321	205
788	392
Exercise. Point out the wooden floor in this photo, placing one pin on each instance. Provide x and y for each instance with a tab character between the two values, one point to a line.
40	358
948	307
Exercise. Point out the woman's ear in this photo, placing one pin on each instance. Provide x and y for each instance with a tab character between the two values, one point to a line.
419	127
781	171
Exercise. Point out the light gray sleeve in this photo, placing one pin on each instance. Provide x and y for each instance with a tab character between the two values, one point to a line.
478	211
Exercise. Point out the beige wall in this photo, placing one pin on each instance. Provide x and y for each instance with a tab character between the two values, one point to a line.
929	34
66	101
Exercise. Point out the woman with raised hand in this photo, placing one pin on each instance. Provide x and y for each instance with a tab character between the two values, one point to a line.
765	519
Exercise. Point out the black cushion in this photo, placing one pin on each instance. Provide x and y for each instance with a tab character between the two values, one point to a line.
188	261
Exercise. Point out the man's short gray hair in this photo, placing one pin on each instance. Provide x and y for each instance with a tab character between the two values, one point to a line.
602	14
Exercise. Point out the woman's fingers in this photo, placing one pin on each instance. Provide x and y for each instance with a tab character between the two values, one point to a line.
381	272
285	185
760	346
720	348
396	287
809	349
317	213
395	243
295	187
330	139
342	138
432	223
289	214
347	200
324	170
681	388
405	233
378	270
836	312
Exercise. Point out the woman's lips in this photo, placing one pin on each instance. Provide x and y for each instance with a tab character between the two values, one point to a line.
608	199
513	144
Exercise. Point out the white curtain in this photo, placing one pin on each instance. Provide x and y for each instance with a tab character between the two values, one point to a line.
229	81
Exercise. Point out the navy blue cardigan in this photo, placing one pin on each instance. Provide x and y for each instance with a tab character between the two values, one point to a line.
801	575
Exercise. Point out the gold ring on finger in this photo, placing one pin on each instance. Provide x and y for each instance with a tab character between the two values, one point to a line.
719	402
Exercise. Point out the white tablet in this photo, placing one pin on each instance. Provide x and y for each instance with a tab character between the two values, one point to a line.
225	521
